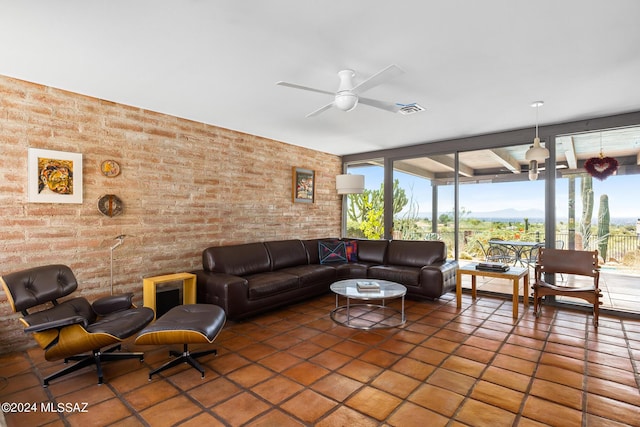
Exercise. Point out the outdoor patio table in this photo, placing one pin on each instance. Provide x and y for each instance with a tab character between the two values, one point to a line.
516	247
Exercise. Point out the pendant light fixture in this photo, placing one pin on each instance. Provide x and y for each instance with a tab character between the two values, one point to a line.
350	184
536	154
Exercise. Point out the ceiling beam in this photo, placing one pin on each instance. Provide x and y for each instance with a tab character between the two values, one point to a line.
449	163
504	158
410	169
570	154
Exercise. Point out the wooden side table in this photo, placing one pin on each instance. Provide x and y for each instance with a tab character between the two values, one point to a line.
514	274
188	288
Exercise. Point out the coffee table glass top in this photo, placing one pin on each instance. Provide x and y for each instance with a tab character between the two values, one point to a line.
349	288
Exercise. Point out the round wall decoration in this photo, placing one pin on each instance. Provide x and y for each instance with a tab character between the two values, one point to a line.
110	205
110	168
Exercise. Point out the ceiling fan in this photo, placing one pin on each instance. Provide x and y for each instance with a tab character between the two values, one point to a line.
348	95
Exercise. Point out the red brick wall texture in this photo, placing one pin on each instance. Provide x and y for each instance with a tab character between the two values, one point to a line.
185	186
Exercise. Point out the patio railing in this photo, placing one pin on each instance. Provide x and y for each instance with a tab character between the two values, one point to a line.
618	245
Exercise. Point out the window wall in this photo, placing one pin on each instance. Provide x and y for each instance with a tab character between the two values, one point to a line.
470	191
496	200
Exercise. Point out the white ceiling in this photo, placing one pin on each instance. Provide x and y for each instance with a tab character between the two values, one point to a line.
476	66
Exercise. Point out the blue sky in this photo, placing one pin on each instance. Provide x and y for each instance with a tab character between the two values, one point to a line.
622	191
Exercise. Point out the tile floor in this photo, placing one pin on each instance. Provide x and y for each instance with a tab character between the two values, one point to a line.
294	367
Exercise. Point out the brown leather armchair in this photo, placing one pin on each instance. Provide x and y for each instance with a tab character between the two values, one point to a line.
67	329
572	263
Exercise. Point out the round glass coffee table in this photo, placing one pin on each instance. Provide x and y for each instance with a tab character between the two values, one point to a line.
370	310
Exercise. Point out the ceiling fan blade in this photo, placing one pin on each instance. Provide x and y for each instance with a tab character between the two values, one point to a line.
310	89
383	105
380	77
320	110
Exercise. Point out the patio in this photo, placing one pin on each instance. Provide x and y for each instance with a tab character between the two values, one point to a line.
620	290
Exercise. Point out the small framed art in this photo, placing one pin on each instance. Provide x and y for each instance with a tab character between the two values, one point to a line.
304	181
54	176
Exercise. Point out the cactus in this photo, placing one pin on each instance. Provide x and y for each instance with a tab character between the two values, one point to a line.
587	209
603	226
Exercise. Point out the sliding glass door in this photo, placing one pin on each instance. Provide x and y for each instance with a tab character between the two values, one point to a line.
497	200
597	208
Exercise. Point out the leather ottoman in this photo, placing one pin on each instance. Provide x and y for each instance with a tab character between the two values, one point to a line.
185	324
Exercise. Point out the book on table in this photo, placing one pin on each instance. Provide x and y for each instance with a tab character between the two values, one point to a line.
366	286
492	266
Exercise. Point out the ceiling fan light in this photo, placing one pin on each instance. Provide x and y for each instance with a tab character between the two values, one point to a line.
346	101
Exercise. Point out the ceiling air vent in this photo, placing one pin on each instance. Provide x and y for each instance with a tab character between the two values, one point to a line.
410	108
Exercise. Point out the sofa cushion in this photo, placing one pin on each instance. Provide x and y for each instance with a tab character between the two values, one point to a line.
238	260
351	249
330	251
351	270
286	253
408	276
312	250
312	274
263	285
416	253
372	251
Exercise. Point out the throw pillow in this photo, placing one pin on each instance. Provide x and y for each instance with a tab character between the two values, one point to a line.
331	251
351	247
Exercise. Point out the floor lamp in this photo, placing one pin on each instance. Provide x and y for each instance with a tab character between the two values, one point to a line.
120	241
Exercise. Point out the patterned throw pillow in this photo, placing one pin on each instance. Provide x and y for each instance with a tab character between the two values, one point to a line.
351	247
331	251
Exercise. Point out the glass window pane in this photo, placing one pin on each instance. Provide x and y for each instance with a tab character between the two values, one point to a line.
502	210
603	213
412	206
365	212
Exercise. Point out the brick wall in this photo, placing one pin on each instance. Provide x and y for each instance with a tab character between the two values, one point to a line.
185	186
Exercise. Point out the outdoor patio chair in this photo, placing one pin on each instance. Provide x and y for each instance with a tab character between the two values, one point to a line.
494	253
572	263
531	256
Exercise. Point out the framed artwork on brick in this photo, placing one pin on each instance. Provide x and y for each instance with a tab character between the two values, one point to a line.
54	176
303	185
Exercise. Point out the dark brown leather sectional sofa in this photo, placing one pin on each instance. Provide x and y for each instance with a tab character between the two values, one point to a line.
251	278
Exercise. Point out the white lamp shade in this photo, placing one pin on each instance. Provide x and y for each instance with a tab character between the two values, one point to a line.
537	153
350	184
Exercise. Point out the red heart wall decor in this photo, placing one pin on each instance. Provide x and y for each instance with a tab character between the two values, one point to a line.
601	167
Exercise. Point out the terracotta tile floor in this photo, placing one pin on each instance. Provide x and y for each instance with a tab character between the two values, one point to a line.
293	367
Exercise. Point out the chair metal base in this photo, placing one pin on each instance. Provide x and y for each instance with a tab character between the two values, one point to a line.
96	358
185	357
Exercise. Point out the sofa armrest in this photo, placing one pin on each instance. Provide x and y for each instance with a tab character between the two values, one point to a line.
218	288
447	268
438	279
